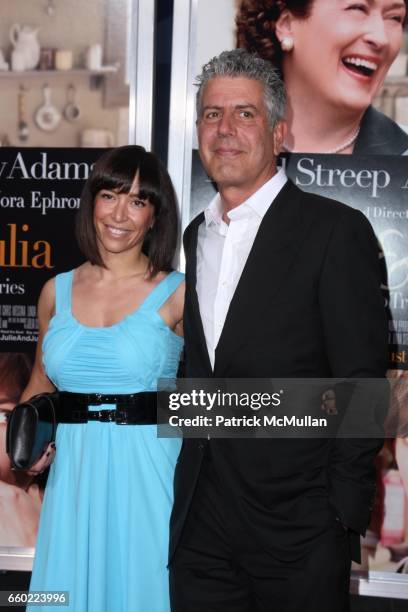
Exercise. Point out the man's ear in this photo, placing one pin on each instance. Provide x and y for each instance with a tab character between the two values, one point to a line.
283	27
279	135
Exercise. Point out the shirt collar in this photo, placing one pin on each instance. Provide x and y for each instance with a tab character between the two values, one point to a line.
258	203
213	212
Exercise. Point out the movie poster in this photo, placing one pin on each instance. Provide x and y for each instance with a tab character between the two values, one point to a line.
40	193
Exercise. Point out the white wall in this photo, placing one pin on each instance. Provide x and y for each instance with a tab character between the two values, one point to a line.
215	29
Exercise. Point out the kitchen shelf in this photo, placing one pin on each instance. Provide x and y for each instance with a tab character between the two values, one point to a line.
95	76
400	81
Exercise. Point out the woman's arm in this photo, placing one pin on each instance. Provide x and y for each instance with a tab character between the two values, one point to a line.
39	382
172	310
178	308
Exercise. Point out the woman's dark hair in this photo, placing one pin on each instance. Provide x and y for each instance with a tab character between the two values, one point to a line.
116	169
256	22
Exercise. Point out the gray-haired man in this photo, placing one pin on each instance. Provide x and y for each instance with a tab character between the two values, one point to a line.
279	283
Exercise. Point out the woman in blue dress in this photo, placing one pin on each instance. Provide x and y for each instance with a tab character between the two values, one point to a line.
108	331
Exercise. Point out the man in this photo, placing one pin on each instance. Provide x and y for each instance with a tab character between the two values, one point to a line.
279	283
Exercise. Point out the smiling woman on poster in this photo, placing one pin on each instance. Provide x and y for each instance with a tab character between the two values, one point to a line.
334	56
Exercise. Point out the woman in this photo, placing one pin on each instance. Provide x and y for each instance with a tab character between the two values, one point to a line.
20	494
334	56
111	327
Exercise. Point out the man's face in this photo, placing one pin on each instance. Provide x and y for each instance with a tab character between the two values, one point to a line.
238	148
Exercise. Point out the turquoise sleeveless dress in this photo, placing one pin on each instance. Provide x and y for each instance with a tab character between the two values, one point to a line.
103	533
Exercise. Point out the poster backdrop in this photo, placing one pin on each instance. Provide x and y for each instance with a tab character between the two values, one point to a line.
39	195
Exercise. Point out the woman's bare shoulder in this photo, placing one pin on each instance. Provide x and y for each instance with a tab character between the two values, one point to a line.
177	300
46	302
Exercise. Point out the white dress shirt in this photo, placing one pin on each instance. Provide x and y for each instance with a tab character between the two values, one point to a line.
222	252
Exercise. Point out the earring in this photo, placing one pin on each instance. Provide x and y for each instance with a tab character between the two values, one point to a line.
287	43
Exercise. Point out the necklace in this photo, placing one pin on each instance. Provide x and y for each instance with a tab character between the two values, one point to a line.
343	146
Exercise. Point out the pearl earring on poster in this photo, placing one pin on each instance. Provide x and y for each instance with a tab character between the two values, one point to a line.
287	43
50	8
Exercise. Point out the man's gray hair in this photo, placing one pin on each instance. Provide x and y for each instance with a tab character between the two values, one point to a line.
241	63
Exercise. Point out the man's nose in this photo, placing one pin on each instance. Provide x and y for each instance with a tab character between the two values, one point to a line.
376	34
226	124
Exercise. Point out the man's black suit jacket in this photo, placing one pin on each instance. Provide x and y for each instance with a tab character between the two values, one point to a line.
308	304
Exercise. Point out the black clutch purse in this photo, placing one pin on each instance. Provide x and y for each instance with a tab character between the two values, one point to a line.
31	427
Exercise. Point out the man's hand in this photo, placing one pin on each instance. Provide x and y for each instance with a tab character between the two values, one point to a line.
329	402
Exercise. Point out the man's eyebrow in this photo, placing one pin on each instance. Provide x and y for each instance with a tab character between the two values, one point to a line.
213	106
238	106
246	105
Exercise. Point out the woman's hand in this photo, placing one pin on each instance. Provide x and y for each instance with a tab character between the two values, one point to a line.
44	461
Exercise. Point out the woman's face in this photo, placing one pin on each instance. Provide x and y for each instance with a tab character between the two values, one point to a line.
343	49
121	220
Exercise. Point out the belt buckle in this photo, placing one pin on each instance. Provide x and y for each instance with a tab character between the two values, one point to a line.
106	416
120	416
77	416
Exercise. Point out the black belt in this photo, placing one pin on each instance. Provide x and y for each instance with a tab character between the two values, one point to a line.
132	409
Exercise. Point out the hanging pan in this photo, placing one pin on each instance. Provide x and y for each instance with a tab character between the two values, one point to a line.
47	116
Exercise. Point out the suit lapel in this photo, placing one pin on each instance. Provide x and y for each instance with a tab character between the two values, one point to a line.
191	291
275	246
